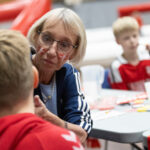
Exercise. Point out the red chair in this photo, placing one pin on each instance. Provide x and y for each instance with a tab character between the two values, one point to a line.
30	14
10	10
134	10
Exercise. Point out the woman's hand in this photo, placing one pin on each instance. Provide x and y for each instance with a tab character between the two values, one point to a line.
81	133
40	109
43	112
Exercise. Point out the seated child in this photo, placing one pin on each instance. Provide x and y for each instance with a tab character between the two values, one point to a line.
130	70
20	128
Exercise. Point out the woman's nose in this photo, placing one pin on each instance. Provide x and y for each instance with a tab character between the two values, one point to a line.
53	48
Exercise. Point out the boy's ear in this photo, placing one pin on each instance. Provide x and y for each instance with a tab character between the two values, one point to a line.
117	41
36	77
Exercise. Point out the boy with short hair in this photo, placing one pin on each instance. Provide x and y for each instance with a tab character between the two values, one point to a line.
130	70
20	129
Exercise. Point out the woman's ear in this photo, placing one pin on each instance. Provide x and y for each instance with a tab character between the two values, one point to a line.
36	77
72	55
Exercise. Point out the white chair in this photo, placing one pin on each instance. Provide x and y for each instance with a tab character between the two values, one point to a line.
92	77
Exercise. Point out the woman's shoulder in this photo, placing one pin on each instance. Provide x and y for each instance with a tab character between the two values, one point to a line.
67	72
69	68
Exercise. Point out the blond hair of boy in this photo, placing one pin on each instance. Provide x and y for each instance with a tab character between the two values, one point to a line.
124	24
16	74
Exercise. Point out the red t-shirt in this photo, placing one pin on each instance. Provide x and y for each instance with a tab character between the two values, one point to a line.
130	77
28	132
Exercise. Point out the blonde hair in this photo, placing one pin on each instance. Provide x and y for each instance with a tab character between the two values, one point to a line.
16	76
71	22
124	24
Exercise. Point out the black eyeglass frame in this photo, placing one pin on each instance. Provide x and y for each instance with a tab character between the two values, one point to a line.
53	40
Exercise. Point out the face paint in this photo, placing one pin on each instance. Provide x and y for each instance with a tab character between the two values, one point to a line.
42	51
61	55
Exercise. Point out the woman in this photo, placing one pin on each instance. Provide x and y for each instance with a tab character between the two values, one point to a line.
59	38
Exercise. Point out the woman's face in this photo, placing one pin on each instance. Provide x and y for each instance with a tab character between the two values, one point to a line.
54	46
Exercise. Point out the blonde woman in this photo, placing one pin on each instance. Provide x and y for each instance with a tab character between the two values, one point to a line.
59	40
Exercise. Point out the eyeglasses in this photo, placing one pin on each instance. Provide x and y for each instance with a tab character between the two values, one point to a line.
62	46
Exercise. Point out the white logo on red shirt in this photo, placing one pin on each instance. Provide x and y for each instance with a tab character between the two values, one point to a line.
72	138
78	148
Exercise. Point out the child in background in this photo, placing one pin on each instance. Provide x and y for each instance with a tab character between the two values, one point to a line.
130	70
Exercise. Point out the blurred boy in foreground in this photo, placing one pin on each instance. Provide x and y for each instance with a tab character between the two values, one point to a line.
20	129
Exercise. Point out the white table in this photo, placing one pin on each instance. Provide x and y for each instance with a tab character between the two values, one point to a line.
126	128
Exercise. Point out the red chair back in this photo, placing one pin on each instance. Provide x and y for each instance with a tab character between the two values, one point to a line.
30	14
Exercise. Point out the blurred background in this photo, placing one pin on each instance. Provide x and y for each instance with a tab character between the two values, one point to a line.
97	16
94	13
101	13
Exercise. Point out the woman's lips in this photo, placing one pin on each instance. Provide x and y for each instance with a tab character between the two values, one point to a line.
48	61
